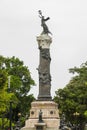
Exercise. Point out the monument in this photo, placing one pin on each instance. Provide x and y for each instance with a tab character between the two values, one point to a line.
44	114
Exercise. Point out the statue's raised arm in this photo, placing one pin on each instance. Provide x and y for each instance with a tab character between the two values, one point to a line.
43	20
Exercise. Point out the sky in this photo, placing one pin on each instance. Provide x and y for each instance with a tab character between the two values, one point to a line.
20	25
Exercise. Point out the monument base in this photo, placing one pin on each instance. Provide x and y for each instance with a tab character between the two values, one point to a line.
50	116
44	98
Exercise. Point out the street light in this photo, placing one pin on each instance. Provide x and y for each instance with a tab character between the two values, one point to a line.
10	115
18	122
76	114
9	78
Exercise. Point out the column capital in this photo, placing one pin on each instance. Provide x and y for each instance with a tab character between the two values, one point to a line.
44	41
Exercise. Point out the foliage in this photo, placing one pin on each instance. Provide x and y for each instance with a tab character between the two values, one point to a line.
16	90
73	97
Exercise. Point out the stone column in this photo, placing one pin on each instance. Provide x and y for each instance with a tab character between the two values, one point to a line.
44	41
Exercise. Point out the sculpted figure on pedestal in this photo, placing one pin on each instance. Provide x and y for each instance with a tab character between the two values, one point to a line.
43	24
40	116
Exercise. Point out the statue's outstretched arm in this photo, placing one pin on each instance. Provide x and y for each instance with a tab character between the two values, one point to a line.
47	18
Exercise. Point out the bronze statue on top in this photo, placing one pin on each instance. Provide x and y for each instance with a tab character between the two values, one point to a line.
43	20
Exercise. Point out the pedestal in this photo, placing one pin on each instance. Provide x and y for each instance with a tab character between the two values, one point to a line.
50	116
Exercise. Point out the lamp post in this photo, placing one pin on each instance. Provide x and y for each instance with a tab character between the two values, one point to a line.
18	122
19	116
76	114
10	115
9	78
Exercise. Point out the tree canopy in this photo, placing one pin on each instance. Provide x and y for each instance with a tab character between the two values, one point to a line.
15	84
72	99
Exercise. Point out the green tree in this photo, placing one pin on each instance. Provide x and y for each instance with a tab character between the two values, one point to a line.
5	99
17	89
72	99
